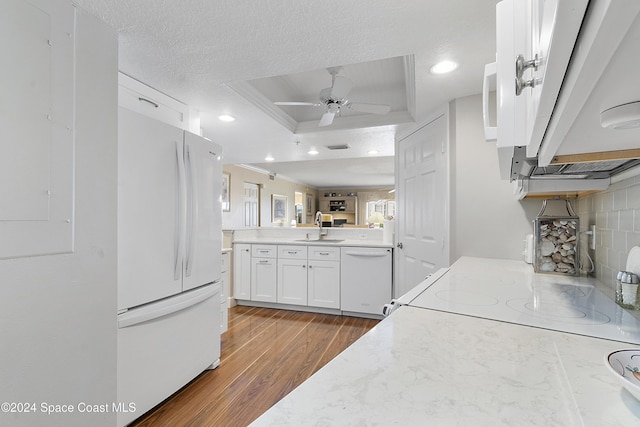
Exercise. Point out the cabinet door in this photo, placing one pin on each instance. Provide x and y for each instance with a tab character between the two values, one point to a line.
263	279
324	284
292	281
37	122
242	271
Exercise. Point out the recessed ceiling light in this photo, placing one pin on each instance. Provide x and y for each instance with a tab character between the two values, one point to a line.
443	67
226	118
313	152
372	152
269	158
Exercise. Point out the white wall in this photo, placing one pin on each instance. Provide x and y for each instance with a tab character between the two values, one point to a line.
486	220
616	215
239	175
57	312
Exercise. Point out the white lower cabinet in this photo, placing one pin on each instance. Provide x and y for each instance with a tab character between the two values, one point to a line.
309	276
324	277
242	271
264	273
292	281
323	284
292	275
358	281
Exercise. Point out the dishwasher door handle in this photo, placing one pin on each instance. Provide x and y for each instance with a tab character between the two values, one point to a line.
366	254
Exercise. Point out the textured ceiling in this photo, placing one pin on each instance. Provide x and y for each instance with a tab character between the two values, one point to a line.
196	50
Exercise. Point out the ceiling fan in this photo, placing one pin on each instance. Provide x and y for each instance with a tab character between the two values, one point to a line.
334	99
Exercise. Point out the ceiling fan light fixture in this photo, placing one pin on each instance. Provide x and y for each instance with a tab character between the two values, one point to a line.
443	67
226	118
313	152
620	117
269	158
372	152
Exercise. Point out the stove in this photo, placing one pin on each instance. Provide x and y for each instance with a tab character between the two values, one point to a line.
510	291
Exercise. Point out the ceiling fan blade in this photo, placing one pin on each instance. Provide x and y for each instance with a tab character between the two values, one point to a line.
327	119
369	108
341	87
311	104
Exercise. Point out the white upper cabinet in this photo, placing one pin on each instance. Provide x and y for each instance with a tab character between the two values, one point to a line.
534	41
144	99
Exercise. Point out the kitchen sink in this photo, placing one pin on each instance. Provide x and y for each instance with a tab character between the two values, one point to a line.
320	240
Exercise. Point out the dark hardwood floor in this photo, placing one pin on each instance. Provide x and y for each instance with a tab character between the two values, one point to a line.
265	354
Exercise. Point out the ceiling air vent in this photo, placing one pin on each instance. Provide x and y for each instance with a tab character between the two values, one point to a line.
338	147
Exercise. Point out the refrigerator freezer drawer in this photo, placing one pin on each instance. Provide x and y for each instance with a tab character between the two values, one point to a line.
157	355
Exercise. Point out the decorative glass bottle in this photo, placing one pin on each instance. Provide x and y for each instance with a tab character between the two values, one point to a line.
556	242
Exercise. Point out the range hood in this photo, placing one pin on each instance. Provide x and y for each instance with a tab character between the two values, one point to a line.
589	172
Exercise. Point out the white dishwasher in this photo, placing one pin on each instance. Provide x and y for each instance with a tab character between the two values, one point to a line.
366	279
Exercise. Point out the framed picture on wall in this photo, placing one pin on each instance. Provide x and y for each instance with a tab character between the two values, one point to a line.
226	183
278	208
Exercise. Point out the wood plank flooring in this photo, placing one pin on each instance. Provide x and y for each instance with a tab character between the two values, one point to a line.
265	354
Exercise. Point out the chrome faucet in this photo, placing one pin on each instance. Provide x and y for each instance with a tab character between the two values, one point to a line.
319	222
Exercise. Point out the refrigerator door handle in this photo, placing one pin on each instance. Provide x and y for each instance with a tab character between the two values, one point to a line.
192	210
180	213
165	307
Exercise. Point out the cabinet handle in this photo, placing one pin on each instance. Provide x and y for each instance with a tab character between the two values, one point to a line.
304	266
293	252
310	266
149	101
323	253
264	262
522	65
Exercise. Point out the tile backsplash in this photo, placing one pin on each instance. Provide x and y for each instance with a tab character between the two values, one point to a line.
616	215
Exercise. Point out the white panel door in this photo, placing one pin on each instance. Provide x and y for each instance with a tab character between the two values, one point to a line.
203	244
149	209
422	204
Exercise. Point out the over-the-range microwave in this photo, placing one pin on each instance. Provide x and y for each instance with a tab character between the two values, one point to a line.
567	106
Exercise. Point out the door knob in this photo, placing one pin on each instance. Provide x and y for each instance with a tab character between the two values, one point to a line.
399	245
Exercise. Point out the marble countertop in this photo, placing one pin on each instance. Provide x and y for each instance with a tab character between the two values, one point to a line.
425	367
289	241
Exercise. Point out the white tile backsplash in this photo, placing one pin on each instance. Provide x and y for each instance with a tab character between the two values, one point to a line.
616	215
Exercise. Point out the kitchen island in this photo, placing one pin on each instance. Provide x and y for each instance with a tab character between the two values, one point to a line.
429	367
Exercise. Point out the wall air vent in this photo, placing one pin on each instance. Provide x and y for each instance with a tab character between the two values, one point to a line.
338	147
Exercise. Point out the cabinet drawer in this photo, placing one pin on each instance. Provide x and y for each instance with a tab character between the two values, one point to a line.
264	251
329	253
292	252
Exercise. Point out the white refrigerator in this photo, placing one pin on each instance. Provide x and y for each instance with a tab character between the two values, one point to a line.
169	255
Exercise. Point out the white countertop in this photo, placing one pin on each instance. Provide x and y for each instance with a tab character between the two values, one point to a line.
423	366
298	236
288	241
